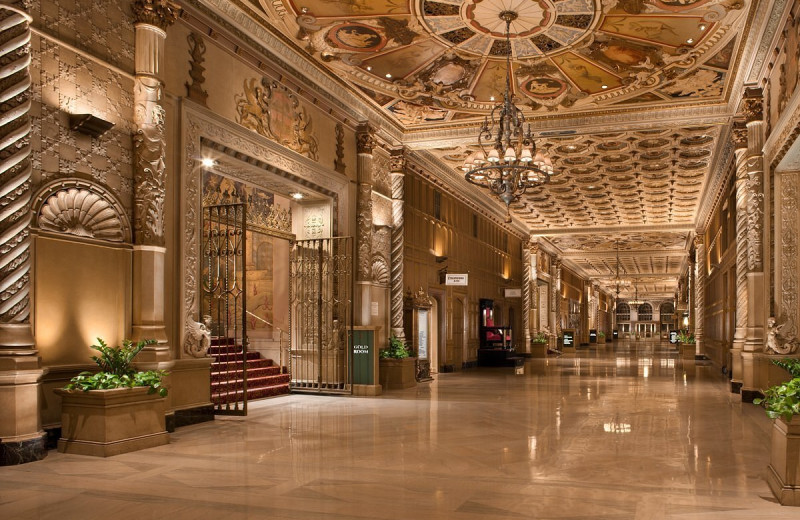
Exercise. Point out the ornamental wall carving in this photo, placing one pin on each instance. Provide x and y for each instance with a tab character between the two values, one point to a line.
274	111
82	209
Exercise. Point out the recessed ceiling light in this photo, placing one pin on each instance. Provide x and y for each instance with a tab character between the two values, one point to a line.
297	195
603	86
206	162
690	40
369	67
491	98
388	75
702	27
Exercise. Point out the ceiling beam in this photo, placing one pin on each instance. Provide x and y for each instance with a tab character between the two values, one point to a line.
595	230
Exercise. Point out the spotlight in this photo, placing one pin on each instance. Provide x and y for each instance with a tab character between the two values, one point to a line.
89	124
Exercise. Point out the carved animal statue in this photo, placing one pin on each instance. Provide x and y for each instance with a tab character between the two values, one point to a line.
775	342
198	338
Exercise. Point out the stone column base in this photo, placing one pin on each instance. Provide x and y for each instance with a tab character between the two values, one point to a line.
22	451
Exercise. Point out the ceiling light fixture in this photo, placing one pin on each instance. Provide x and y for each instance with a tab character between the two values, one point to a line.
507	163
297	195
207	163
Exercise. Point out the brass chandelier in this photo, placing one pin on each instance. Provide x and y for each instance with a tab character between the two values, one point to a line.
508	162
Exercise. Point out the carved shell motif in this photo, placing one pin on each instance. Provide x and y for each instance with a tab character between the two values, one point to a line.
380	270
82	213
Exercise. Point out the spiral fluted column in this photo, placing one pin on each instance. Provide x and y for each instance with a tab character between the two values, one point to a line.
365	142
740	332
398	194
699	292
21	436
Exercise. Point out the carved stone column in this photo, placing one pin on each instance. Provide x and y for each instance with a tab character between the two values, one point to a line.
595	311
152	19
365	142
21	435
557	296
740	141
755	279
530	276
398	159
699	291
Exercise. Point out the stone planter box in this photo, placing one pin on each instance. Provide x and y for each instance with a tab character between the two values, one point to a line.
396	374
783	475
103	423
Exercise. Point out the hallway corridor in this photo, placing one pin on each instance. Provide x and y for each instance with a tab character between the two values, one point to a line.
625	431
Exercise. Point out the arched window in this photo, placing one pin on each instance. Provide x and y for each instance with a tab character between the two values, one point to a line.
667	312
645	312
623	312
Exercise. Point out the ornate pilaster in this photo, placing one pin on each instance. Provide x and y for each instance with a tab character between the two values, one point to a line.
557	296
699	291
152	19
398	162
755	278
21	435
595	311
530	276
740	142
789	285
365	142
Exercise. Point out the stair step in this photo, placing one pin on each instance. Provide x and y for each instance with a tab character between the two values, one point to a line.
253	373
257	382
239	366
233	356
252	393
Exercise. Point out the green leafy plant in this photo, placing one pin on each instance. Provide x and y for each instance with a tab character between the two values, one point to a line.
601	335
685	337
783	400
396	350
539	337
116	370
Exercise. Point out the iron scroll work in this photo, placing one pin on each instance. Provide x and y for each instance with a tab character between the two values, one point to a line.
321	289
224	279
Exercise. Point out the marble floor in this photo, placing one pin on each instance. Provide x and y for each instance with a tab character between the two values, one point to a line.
622	432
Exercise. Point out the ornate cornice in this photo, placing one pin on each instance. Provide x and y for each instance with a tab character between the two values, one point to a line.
160	13
768	34
290	61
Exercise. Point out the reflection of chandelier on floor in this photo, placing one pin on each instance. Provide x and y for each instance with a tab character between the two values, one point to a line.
507	163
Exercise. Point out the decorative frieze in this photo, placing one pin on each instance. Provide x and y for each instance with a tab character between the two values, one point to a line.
790	184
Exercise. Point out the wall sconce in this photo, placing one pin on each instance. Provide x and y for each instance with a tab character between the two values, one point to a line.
89	124
440	259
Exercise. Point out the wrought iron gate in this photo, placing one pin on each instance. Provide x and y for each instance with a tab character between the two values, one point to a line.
321	289
224	299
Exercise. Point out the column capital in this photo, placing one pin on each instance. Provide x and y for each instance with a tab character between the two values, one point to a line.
398	160
739	133
159	13
365	138
753	104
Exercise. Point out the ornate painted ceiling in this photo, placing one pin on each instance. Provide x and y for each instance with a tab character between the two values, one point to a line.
437	67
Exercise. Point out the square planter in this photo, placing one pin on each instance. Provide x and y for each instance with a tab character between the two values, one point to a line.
396	374
783	474
103	423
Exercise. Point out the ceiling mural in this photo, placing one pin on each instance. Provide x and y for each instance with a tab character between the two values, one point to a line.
439	66
429	61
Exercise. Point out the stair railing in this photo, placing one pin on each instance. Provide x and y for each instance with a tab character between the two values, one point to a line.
281	332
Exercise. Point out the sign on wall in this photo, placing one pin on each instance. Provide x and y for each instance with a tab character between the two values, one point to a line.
363	348
456	279
513	293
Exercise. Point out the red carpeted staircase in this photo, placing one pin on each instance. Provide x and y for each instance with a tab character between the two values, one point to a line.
264	378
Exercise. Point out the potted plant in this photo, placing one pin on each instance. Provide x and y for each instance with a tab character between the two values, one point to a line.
601	337
686	344
115	410
782	403
397	366
539	343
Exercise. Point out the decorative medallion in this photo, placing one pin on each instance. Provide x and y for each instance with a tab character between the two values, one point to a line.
356	37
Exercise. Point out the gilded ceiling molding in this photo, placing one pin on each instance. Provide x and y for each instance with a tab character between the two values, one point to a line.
765	44
81	208
160	13
292	62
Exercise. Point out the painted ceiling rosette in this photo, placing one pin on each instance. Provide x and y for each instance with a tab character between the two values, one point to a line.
429	61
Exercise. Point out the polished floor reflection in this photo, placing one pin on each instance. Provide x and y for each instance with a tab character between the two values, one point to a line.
622	432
